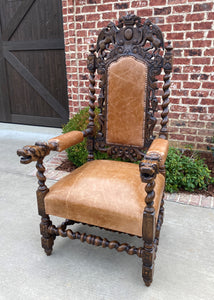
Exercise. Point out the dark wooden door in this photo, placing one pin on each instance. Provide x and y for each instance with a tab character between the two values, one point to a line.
33	88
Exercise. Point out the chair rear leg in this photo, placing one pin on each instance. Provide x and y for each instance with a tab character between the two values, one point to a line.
162	210
47	239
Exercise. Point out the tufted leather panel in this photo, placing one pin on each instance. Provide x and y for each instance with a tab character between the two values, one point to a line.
126	92
104	193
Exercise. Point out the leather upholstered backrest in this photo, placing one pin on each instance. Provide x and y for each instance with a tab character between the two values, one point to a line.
126	99
128	57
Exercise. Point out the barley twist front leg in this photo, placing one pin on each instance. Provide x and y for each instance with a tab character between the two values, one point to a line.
149	168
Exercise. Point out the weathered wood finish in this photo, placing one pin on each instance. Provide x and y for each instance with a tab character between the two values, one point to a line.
32	63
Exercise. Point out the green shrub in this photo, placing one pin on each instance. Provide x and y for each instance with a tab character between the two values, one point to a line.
188	173
78	153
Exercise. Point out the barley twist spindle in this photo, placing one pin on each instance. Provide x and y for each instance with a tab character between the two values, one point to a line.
167	69
91	65
149	168
40	174
95	240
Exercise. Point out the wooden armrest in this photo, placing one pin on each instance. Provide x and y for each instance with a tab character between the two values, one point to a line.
40	150
159	147
66	140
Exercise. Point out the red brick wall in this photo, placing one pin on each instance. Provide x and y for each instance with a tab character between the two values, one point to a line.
188	23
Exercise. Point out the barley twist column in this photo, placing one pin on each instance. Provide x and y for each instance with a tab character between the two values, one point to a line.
91	65
148	170
166	92
47	239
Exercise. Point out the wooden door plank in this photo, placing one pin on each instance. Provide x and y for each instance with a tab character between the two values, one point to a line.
4	94
37	120
36	85
56	44
17	19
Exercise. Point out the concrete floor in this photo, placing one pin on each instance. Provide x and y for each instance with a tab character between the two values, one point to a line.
184	266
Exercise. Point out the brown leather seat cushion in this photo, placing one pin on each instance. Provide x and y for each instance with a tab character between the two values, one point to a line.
104	193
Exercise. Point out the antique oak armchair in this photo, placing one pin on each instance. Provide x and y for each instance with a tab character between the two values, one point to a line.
115	195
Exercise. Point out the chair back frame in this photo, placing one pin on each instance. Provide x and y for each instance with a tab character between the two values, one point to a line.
145	43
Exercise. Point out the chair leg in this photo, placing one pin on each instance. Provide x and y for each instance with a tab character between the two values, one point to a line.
162	209
148	263
149	250
159	223
47	239
148	255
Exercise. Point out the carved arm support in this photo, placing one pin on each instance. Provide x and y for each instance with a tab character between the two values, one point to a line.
39	151
149	168
159	147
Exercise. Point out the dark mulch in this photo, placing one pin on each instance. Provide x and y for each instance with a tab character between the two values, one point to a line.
209	192
68	166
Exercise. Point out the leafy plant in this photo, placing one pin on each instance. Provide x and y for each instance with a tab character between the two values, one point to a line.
78	153
186	173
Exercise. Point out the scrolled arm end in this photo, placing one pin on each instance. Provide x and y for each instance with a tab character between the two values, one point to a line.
33	153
